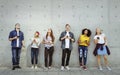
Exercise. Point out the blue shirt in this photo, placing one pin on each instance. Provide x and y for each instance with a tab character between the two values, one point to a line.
14	42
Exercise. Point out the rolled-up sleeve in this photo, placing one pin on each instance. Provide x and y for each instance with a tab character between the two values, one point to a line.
10	35
22	36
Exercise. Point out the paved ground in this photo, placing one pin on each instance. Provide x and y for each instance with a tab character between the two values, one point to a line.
57	71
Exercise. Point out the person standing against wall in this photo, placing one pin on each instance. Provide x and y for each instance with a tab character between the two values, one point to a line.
101	48
84	42
66	38
17	42
35	43
48	41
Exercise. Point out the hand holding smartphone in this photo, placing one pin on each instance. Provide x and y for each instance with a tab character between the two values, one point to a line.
98	38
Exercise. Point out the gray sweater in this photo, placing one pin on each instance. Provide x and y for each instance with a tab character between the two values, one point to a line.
63	41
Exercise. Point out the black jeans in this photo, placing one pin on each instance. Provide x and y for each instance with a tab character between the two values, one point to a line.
66	52
48	54
16	56
34	55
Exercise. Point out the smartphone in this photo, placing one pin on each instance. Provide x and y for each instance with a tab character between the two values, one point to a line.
67	36
18	36
85	40
98	38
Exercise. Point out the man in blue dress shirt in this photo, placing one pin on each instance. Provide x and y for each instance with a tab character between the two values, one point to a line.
17	42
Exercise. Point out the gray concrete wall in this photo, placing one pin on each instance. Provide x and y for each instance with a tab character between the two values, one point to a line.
43	14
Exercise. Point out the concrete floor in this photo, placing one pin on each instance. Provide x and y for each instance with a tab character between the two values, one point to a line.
57	71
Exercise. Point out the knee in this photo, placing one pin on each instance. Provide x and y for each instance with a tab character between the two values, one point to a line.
105	58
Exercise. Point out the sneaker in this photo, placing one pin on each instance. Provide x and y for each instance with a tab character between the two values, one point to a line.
67	67
100	68
85	68
109	68
13	68
36	67
32	67
62	68
49	67
18	67
81	65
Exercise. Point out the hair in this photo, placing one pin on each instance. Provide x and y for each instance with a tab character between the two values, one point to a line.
67	25
96	32
51	35
89	32
17	24
37	33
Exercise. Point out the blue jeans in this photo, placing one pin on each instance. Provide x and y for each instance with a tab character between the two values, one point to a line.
83	50
16	56
34	55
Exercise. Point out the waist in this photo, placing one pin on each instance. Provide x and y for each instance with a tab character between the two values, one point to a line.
82	46
34	46
47	45
100	44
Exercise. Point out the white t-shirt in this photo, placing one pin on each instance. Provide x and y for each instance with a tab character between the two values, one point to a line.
67	41
49	39
100	38
34	45
18	39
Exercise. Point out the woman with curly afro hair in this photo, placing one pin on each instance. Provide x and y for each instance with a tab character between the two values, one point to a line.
84	42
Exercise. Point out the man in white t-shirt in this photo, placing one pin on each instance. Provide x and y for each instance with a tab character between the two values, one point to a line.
67	38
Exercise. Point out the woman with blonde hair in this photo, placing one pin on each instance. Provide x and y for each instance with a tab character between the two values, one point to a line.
101	48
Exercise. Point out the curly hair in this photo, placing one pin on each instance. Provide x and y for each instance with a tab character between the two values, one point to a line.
89	32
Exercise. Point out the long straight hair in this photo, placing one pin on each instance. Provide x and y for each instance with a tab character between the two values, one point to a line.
96	31
51	35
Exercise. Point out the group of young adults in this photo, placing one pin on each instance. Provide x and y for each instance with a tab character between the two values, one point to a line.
67	39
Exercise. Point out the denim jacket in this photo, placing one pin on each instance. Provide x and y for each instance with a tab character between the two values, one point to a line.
63	41
14	42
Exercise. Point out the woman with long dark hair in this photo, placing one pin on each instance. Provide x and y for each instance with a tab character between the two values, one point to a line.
84	42
48	41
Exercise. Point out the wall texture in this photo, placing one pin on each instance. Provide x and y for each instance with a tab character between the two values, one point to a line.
43	14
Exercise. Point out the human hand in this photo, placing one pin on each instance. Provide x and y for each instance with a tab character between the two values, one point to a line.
15	37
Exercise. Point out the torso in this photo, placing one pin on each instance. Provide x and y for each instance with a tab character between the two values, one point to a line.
101	38
34	45
84	38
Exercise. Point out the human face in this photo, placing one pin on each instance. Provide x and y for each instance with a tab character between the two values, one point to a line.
17	26
86	32
36	34
49	31
67	28
98	30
